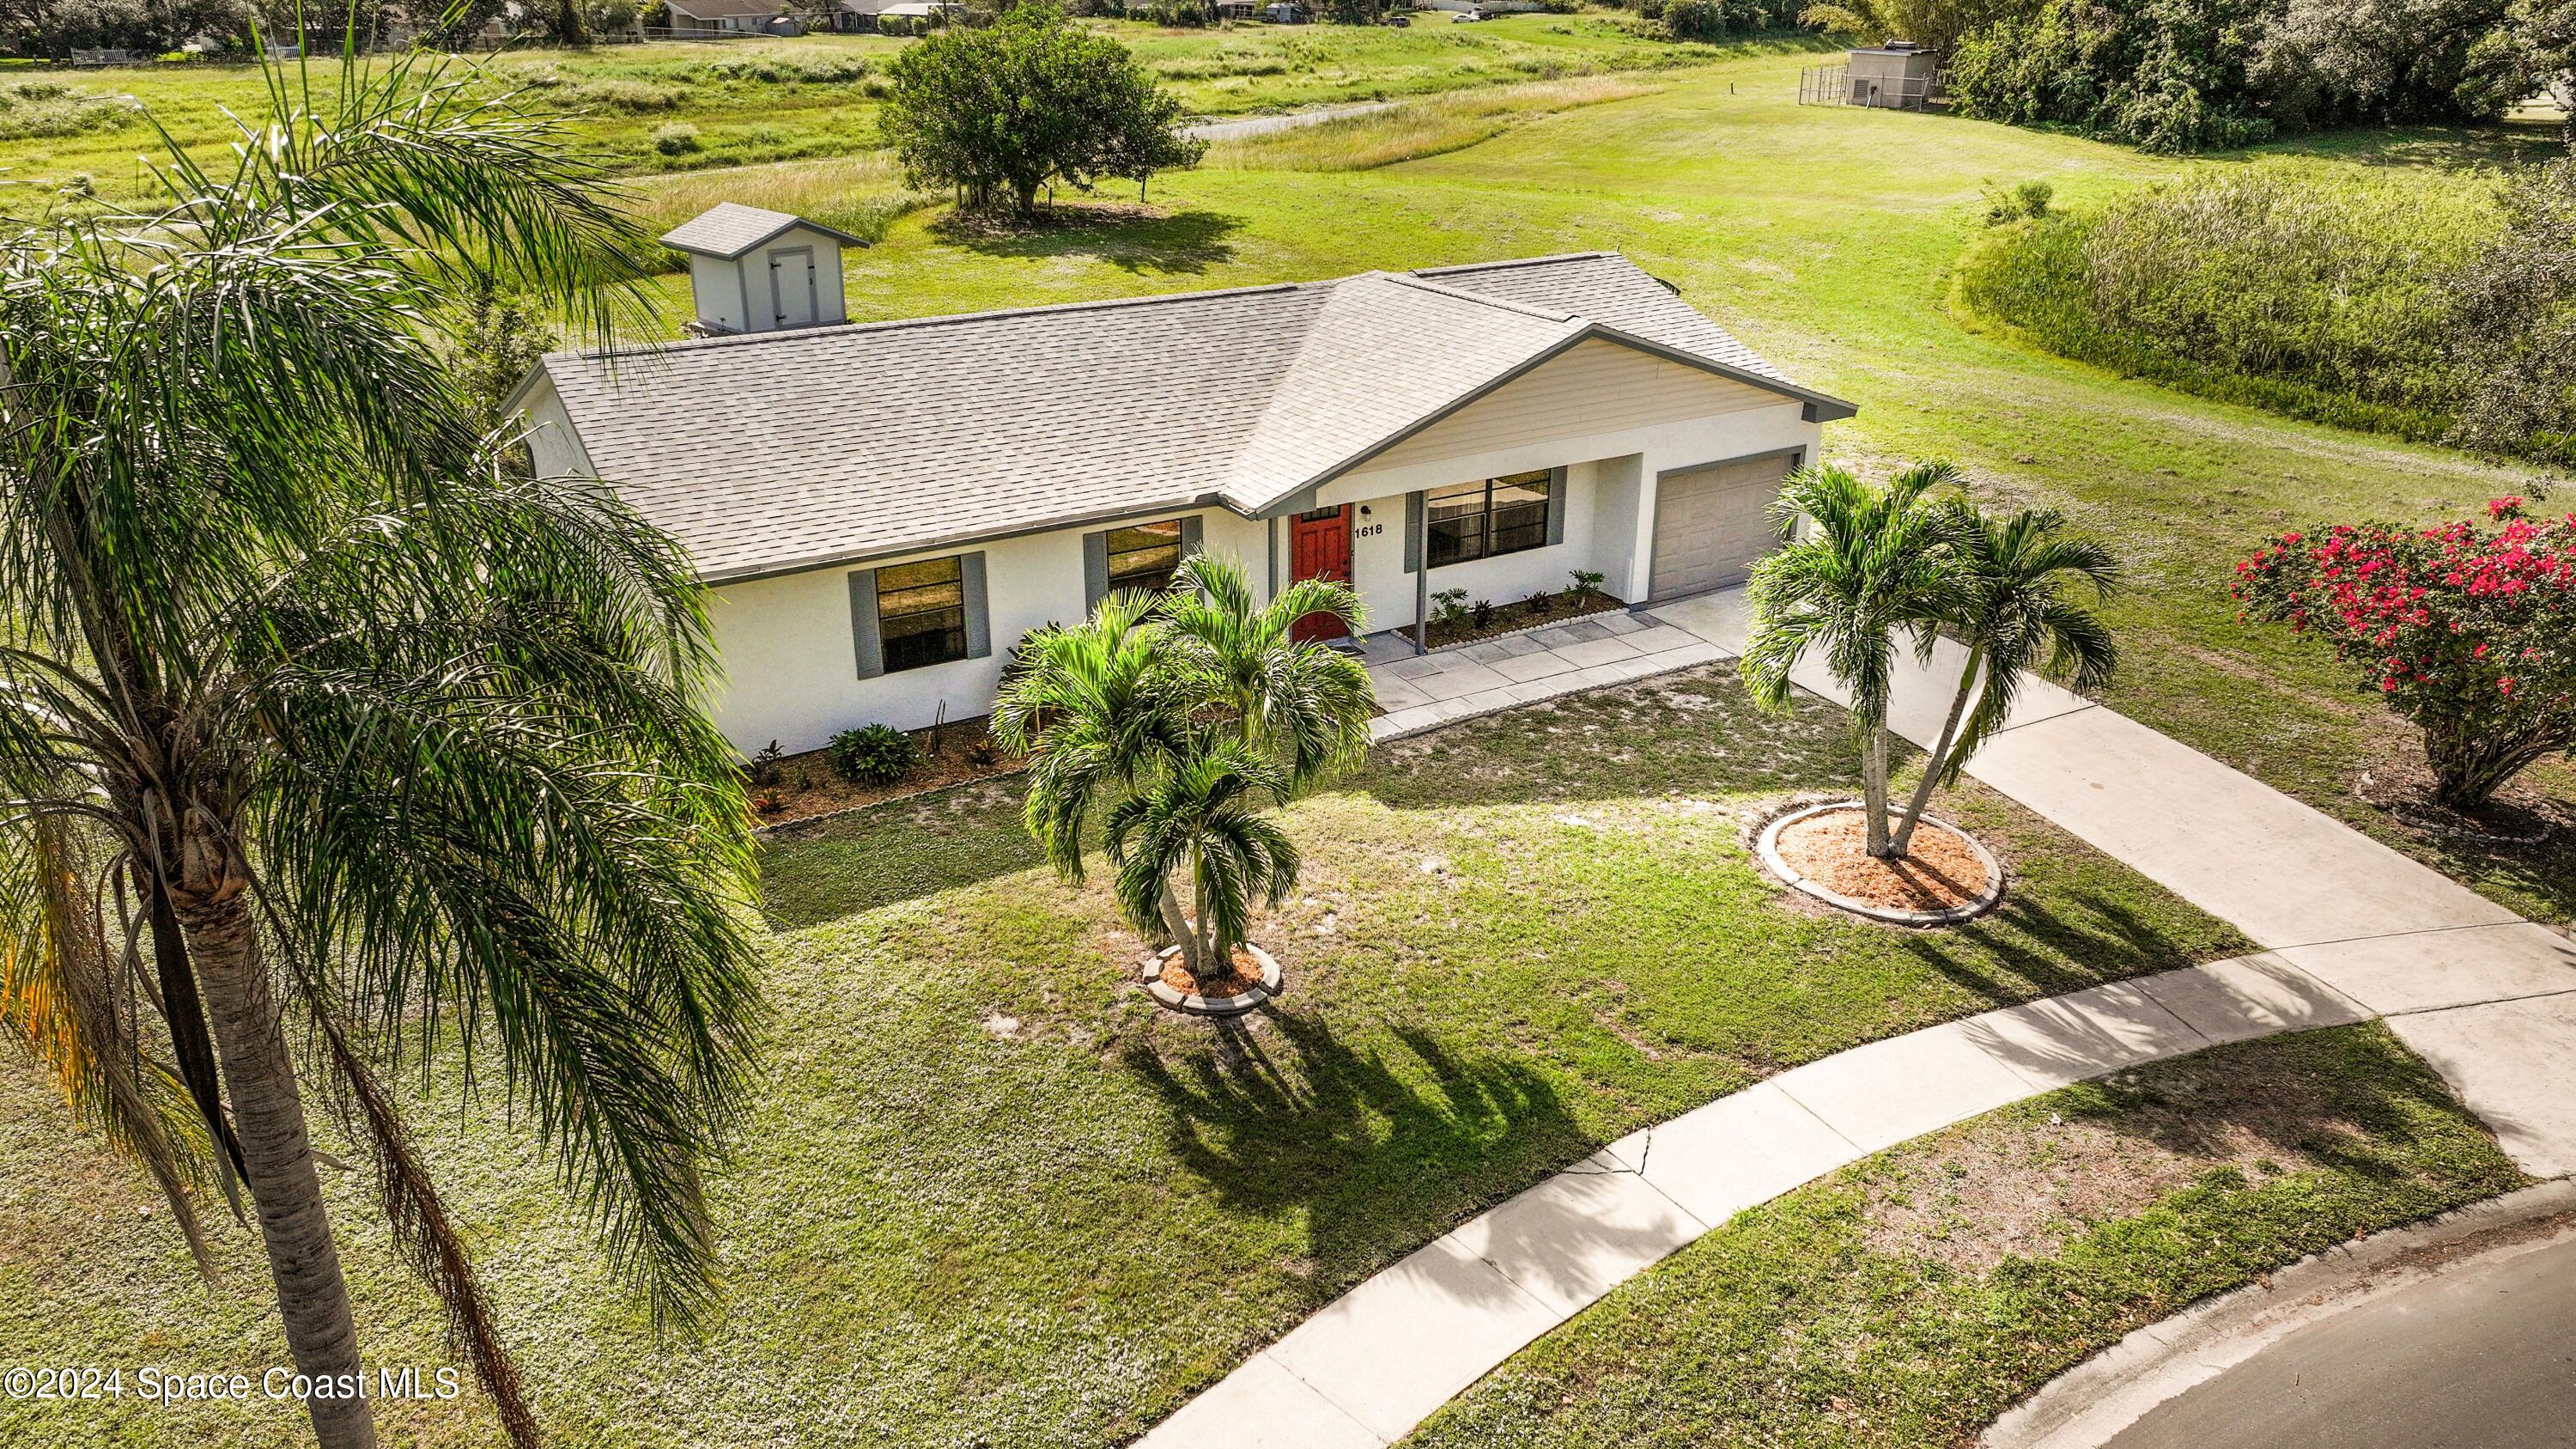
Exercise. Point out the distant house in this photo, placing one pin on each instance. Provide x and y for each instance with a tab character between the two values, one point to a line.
760	271
750	17
1487	428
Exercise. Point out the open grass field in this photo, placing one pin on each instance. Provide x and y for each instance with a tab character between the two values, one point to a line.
992	1196
1909	1298
752	101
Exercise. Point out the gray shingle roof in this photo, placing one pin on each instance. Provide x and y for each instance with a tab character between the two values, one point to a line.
728	229
775	452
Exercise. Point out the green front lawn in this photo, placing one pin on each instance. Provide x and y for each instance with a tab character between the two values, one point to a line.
1908	1299
990	1195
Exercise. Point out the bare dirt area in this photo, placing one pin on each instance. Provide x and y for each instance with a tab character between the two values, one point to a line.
1940	869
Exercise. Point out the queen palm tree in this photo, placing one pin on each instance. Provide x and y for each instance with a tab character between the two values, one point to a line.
1181	716
315	723
2018	618
1871	566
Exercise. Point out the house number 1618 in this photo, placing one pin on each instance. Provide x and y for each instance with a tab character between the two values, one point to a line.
1368	530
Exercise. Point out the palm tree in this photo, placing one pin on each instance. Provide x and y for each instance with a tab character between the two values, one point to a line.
1303	704
315	723
1183	715
1872	565
2018	617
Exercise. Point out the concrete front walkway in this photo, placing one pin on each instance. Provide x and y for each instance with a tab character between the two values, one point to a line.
2351	930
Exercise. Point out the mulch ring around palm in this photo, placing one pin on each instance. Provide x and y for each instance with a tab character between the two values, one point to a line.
1941	870
1245	976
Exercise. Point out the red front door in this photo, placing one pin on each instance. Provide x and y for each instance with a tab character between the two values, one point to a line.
1319	547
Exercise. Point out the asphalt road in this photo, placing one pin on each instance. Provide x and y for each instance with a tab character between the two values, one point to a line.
2484	1359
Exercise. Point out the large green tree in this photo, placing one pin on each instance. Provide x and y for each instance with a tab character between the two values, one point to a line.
318	728
1029	102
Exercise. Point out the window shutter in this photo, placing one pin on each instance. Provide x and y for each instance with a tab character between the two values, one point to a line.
1095	570
979	620
1413	512
863	623
1556	505
1190	534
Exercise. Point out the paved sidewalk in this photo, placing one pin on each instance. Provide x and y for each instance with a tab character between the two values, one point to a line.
2351	929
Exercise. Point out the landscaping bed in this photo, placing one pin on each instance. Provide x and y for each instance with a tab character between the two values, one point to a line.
1536	612
1910	1298
794	788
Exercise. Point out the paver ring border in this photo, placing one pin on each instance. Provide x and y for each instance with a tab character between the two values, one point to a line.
1767	846
1197	1005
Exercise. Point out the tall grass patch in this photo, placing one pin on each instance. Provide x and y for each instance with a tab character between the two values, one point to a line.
861	195
41	109
1415	129
2307	291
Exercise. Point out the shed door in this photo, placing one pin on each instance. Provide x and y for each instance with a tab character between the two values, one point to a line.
791	286
1711	524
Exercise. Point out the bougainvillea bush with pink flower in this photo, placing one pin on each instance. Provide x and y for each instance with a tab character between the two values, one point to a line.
2466	629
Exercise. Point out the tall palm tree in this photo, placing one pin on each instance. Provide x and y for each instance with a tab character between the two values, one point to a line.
315	723
1871	566
1181	716
2019	617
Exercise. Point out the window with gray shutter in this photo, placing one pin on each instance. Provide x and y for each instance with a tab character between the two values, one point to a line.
1139	557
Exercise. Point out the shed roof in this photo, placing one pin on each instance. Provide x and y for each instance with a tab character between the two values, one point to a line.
728	229
722	9
993	423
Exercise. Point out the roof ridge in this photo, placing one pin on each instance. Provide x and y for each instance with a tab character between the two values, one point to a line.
1508	263
1486	299
899	324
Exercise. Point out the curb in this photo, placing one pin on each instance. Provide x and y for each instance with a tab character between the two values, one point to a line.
1197	1005
1767	846
2094	1401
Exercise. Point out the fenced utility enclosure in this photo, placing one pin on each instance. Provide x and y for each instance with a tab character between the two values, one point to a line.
1896	76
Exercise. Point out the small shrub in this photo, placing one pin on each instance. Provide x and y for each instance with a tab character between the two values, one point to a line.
1482	614
2026	202
984	753
1449	606
763	769
1540	604
876	754
677	139
768	802
800	779
1586	583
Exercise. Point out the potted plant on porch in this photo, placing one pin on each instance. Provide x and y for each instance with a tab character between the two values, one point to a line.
1180	719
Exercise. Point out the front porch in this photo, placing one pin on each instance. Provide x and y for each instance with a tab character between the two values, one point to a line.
1423	691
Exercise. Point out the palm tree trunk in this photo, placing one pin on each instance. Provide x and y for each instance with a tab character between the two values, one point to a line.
268	1120
1183	933
1873	788
1932	770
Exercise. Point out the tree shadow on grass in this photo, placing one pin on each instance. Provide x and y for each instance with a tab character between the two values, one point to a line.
1130	237
1380	1149
894	852
2449	148
2045	950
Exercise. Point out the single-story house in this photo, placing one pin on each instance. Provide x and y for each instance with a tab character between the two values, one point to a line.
1490	428
744	16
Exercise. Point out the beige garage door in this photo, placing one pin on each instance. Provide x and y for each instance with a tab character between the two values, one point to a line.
1712	523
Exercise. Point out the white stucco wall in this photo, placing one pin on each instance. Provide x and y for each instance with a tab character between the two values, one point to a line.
791	661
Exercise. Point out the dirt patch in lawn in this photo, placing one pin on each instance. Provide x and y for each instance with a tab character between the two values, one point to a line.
1972	1198
1940	869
